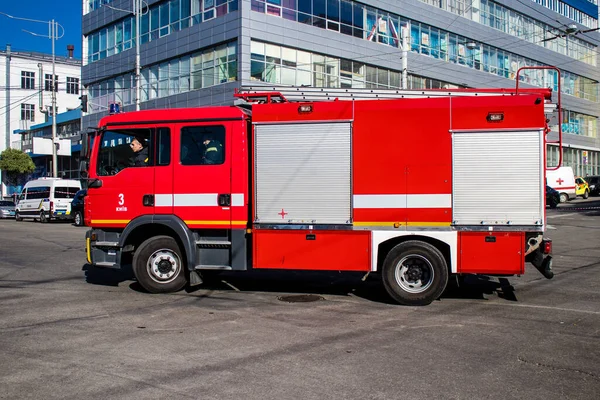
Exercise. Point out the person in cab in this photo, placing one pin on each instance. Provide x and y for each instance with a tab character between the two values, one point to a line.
138	145
213	151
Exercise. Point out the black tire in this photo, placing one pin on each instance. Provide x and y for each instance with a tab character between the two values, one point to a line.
18	218
553	204
78	219
586	194
564	197
159	266
415	273
43	218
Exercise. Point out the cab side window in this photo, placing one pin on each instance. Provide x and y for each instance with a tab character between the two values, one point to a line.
202	145
119	150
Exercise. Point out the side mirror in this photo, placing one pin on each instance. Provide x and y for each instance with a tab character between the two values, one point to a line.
83	169
83	153
96	183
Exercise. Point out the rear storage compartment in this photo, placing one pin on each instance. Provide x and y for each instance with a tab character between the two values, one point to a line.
497	197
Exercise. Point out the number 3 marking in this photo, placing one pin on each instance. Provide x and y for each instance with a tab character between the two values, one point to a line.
121	199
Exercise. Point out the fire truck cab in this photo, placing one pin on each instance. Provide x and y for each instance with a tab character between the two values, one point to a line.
325	185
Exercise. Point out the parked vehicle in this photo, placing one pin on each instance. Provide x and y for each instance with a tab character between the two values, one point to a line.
7	209
77	207
594	183
552	197
45	199
562	180
583	188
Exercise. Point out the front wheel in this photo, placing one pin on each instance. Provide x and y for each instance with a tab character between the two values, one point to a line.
18	217
158	265
586	194
415	273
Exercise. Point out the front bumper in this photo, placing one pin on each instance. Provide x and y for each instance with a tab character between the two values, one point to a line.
102	248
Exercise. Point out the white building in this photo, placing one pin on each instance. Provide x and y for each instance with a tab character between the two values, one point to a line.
26	82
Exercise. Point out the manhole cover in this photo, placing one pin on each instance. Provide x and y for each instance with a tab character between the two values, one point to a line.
300	298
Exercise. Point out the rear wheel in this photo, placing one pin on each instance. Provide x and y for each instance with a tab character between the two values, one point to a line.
78	219
564	197
158	265
415	273
586	194
43	218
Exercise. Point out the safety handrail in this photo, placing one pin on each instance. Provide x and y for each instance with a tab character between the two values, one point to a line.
559	108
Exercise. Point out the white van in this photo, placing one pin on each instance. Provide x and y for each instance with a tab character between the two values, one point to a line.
46	199
563	181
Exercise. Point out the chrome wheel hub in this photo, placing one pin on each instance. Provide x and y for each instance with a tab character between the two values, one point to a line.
414	273
163	266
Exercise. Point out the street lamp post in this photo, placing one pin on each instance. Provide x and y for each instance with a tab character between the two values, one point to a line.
137	12
137	6
52	35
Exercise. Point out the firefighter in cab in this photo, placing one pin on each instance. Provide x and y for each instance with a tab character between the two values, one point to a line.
138	145
213	151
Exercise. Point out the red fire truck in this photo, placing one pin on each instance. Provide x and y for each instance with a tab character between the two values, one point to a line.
415	187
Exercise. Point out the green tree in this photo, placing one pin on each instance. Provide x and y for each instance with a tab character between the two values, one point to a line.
15	165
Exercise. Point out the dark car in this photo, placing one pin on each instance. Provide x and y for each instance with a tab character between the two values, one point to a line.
77	207
7	209
594	184
552	197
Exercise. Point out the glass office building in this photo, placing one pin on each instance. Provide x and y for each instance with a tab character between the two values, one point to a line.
196	52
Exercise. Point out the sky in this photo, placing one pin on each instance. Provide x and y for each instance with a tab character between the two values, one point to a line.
66	12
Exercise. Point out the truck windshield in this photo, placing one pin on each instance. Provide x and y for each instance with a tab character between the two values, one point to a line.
119	149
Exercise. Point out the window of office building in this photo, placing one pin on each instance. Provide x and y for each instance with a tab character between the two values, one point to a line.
48	82
160	20
72	85
96	4
570	12
579	124
27	112
383	27
206	68
27	80
284	65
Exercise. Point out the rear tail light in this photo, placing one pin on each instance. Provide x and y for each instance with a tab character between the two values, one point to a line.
547	246
51	207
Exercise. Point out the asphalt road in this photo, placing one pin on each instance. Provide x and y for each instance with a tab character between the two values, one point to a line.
71	332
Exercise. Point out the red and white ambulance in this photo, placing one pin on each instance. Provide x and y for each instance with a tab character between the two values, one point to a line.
377	185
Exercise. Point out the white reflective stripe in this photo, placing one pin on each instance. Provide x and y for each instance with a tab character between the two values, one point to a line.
163	200
429	201
379	201
402	200
195	200
237	199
